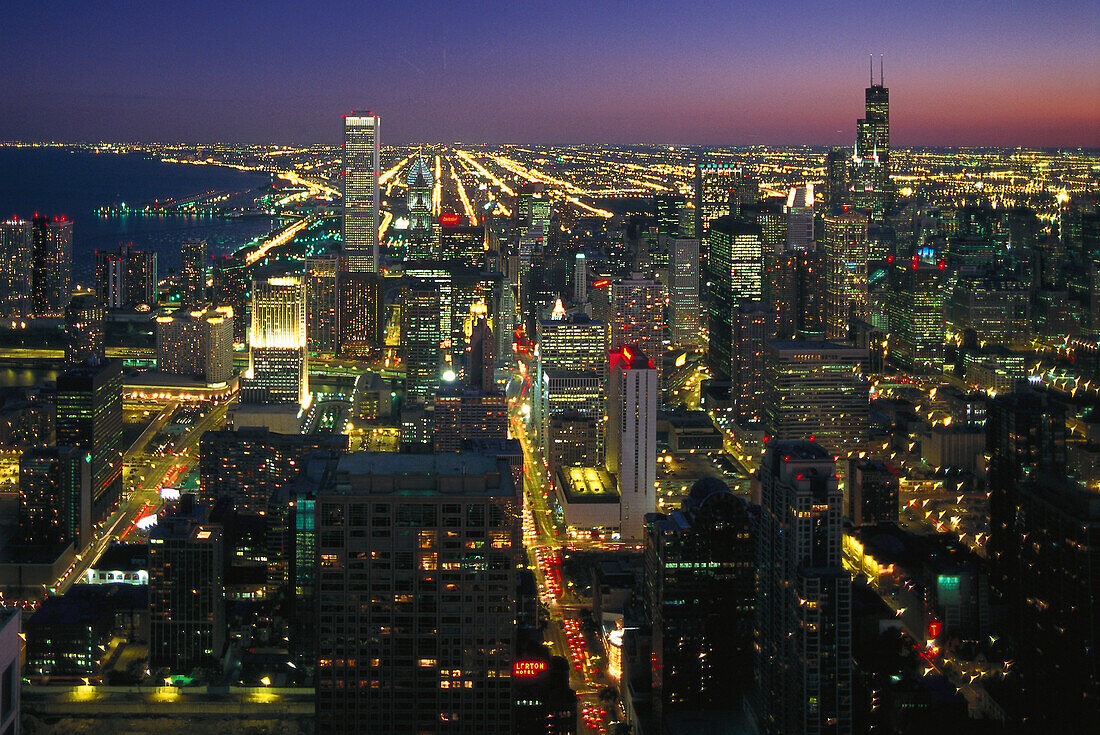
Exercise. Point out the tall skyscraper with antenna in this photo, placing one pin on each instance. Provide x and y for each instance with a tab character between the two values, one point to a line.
419	200
871	186
361	169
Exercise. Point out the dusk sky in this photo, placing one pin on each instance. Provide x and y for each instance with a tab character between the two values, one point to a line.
596	71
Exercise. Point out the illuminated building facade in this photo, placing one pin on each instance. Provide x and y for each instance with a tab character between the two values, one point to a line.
417	594
361	169
804	596
846	254
361	312
580	279
419	202
321	302
192	280
278	360
465	243
196	344
797	287
421	339
574	343
915	313
869	170
15	269
735	269
52	267
89	416
750	330
799	211
126	278
463	414
699	591
55	497
632	436
720	190
84	323
815	389
683	293
638	305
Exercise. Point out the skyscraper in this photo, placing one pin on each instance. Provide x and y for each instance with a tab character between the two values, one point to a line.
126	278
580	279
638	305
700	569
720	190
751	328
417	594
84	318
846	253
196	344
361	169
800	217
55	497
15	269
683	293
52	267
804	596
632	400
361	309
192	281
421	339
815	390
869	171
574	343
480	363
915	314
463	414
735	271
796	288
89	416
232	279
278	360
836	178
321	302
420	183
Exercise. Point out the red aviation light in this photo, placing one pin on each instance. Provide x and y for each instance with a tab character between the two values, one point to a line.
889	258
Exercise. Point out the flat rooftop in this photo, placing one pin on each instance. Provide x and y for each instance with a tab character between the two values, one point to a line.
588	485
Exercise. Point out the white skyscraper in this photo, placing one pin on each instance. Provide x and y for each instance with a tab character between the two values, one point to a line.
800	217
683	293
361	168
278	360
580	280
632	436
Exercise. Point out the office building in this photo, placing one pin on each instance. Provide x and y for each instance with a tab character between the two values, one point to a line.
735	257
796	288
580	279
52	266
574	439
464	243
361	313
699	591
799	211
89	416
638	308
803	597
361	169
632	436
915	314
417	594
15	269
846	256
322	315
872	493
55	485
232	281
480	361
192	278
84	324
421	339
186	593
419	185
126	278
576	342
683	293
197	344
720	190
462	414
836	192
750	330
249	464
11	676
815	390
869	171
278	361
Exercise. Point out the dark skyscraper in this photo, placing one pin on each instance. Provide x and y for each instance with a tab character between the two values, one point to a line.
192	280
55	494
232	280
126	278
84	323
89	416
360	311
321	302
869	172
52	266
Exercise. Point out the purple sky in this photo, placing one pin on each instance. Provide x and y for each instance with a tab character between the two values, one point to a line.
611	71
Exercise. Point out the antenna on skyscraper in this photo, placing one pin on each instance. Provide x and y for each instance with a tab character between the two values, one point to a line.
871	66
881	71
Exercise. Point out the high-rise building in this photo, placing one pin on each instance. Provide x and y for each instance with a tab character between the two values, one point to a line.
321	302
750	331
417	594
361	170
632	436
683	293
566	391
796	288
800	217
465	243
192	280
89	416
361	313
846	254
278	360
700	570
11	677
574	343
84	324
196	344
638	306
736	257
420	183
463	414
55	497
52	267
720	190
126	278
869	171
814	390
232	280
480	361
15	269
872	493
836	179
186	593
915	314
580	279
803	596
249	464
421	339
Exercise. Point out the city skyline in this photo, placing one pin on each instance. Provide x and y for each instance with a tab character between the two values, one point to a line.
716	75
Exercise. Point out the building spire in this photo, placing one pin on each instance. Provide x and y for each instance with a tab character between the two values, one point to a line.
871	66
881	72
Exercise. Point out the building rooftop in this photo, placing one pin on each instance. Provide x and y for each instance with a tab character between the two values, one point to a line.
588	485
423	474
799	451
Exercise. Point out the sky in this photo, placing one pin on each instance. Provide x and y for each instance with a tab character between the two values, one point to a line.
592	71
